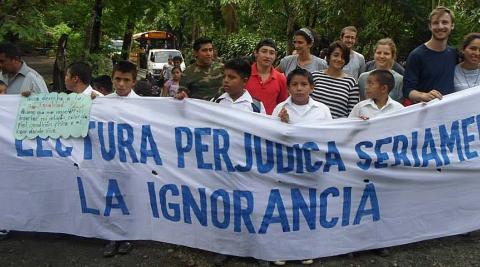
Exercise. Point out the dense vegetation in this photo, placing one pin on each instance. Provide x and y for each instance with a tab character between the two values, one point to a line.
235	25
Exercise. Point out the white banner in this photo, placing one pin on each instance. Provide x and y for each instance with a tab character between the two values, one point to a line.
198	174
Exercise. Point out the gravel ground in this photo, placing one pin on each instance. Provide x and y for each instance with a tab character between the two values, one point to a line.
35	249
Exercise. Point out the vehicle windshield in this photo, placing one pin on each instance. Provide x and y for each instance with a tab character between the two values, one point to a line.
162	56
116	45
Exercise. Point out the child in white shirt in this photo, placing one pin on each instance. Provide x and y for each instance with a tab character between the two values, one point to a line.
299	106
378	102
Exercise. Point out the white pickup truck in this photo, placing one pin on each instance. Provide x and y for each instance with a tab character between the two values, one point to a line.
157	58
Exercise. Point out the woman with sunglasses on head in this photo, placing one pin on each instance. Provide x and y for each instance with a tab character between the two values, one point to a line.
303	41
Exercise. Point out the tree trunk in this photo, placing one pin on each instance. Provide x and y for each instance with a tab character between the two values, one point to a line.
290	32
60	65
127	37
195	31
230	18
88	42
96	27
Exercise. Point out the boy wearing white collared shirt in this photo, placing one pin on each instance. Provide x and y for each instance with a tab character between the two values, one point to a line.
77	79
235	77
124	75
123	79
299	106
378	102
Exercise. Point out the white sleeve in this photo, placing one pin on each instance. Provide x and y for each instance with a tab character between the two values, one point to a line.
34	83
355	113
276	110
262	108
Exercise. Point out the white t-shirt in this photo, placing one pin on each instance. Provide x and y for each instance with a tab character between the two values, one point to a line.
369	109
313	111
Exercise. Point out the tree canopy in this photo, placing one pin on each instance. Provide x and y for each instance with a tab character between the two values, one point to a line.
235	25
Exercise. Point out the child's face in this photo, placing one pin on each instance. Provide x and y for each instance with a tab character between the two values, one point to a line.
374	90
300	89
3	89
233	83
177	63
176	74
123	82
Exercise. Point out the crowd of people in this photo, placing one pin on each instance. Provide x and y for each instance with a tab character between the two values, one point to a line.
302	88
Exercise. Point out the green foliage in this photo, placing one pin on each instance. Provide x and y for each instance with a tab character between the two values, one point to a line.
101	63
240	45
42	22
56	31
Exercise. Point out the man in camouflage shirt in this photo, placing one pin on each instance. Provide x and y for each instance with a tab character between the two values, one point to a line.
203	79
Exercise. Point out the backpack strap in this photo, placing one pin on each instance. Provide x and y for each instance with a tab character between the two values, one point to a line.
256	105
216	98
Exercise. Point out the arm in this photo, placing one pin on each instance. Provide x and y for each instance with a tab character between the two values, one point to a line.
165	90
362	67
362	80
283	94
411	81
355	113
417	96
353	97
34	83
281	66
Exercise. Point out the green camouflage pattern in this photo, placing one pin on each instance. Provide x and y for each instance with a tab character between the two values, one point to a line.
203	82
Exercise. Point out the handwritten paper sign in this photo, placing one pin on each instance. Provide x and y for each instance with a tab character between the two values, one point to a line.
53	115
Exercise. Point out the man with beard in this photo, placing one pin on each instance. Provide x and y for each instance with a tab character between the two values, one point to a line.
356	65
266	83
430	67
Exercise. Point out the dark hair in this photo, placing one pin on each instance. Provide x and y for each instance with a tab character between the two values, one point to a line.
2	83
177	58
201	41
310	38
384	77
82	70
103	81
125	66
240	66
345	51
266	42
10	50
143	88
300	72
176	68
469	38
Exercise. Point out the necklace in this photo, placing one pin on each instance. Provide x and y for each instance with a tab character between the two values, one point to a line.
466	79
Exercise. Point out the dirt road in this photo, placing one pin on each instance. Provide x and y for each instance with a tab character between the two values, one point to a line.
33	249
